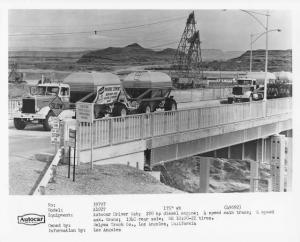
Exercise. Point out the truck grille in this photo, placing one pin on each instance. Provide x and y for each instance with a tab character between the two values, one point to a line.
28	106
237	91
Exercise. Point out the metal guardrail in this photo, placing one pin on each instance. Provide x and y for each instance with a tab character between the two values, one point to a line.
109	131
47	175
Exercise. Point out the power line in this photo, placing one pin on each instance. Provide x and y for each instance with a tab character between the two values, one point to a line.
98	31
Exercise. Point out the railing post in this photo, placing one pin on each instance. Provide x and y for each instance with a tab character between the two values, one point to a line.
127	128
250	110
110	132
199	118
151	125
78	140
141	126
188	120
177	121
264	108
165	123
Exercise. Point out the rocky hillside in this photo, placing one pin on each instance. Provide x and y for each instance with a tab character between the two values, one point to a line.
115	58
132	54
136	54
214	59
279	60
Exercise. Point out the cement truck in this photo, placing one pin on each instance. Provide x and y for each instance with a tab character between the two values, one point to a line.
139	92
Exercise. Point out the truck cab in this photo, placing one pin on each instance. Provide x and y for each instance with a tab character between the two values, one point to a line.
46	100
52	89
243	90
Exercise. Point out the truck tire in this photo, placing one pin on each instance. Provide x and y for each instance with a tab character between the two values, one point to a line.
170	105
230	100
147	109
120	110
19	124
47	121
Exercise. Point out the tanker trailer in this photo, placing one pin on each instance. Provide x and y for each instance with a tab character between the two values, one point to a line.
139	92
147	91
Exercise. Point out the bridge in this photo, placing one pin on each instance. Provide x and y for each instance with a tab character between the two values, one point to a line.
145	140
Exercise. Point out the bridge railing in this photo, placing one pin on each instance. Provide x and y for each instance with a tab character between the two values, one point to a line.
108	131
195	95
279	105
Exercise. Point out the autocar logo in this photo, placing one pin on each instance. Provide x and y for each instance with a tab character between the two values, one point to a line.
31	219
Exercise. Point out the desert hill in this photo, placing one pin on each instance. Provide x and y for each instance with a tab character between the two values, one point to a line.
135	54
278	60
115	58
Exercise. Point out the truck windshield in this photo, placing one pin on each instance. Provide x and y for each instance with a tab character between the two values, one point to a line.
52	90
244	82
40	91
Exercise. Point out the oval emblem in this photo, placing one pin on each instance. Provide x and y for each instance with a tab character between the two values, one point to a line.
101	90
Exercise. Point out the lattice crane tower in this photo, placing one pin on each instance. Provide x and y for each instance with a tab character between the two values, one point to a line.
187	62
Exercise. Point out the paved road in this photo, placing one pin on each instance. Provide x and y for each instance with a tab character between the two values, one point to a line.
24	169
208	103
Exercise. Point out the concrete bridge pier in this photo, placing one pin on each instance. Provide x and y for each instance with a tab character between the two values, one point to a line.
255	165
204	174
289	161
277	163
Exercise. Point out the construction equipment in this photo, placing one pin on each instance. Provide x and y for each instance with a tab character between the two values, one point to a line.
14	76
186	70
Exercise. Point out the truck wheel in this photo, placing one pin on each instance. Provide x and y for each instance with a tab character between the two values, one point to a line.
19	124
48	120
120	110
170	105
230	100
147	109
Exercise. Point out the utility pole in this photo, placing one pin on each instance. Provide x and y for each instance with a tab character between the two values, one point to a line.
253	41
251	36
266	63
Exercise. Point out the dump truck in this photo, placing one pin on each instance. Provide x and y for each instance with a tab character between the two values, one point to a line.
139	92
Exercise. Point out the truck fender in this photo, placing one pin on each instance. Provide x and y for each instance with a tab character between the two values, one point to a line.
66	114
44	111
248	93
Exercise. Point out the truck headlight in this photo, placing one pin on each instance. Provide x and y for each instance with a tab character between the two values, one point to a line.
134	104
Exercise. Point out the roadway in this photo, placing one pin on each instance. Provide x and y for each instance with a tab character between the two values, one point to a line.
24	168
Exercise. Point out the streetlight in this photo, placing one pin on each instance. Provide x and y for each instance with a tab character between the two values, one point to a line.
253	14
265	26
252	41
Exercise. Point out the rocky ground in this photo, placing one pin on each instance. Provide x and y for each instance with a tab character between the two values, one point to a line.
225	175
106	179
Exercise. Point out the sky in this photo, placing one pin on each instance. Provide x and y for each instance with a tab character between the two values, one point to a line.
225	30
